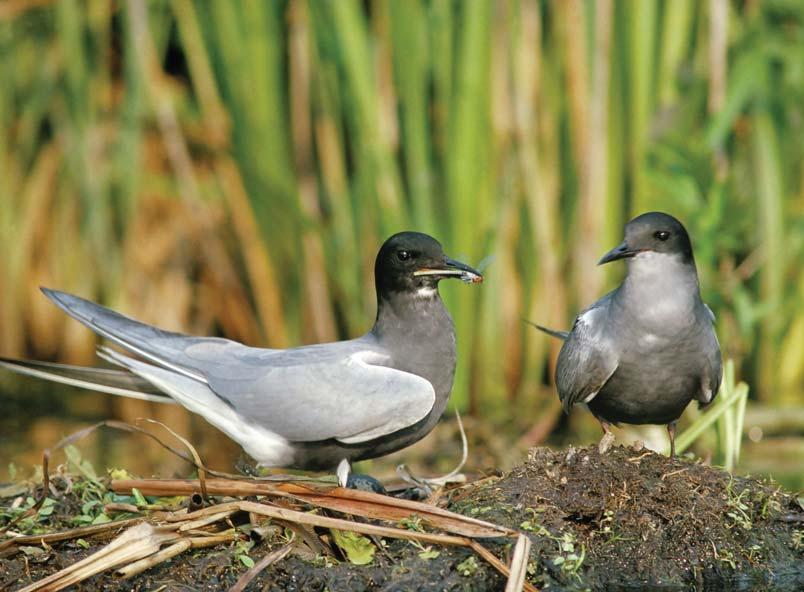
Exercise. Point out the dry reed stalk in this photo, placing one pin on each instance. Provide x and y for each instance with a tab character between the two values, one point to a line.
73	533
358	503
136	543
519	565
140	547
269	559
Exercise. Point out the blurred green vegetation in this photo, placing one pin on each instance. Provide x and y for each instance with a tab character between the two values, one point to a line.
232	167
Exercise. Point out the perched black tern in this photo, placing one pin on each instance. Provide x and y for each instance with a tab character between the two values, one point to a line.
317	407
641	353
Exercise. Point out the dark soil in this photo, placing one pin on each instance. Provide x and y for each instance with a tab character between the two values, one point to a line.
628	520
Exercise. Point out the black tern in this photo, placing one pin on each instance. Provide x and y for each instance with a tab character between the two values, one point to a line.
641	353
316	407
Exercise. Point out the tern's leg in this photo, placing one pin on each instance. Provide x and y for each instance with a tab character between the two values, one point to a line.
247	466
671	431
608	437
346	478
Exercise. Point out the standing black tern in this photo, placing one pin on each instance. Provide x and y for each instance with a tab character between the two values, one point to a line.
315	407
641	353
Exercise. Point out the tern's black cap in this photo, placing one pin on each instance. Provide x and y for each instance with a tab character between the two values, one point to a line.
652	231
409	261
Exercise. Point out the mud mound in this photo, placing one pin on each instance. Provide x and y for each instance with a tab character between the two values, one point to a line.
628	520
634	519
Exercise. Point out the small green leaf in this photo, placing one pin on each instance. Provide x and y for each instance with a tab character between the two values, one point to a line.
47	508
101	519
412	523
246	560
82	543
468	567
429	554
32	551
81	465
359	550
139	499
119	474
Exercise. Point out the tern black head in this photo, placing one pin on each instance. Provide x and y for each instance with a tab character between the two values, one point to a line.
653	231
410	261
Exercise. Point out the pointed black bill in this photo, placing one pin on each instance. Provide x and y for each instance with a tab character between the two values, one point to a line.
452	269
621	251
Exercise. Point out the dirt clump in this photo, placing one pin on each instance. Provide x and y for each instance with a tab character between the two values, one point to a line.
634	519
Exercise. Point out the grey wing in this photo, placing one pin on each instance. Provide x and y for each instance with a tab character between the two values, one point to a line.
165	348
342	390
713	368
115	382
339	390
585	362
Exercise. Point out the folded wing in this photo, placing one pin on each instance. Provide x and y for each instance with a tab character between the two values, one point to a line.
585	363
345	390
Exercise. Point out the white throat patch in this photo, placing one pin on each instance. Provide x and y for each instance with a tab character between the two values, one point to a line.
663	284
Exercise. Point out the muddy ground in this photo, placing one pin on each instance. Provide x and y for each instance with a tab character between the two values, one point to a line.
627	520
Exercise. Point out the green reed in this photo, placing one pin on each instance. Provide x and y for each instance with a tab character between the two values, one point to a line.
290	138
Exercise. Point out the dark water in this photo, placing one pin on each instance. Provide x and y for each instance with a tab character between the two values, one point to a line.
35	415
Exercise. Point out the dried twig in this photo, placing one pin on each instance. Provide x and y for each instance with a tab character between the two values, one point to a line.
519	565
253	572
454	476
73	533
132	569
327	522
202	473
145	545
135	543
348	501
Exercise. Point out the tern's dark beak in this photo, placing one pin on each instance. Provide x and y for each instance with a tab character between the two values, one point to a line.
452	269
621	251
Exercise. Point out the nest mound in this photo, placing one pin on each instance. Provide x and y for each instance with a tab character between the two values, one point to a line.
640	520
629	519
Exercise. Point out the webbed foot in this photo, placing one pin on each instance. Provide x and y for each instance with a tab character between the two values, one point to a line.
365	483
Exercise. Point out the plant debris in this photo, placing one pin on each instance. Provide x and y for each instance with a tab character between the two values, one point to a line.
626	519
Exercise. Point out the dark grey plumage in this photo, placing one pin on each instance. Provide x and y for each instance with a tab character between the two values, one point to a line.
641	353
309	407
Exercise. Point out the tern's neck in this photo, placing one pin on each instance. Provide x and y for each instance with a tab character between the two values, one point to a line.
406	314
660	287
418	332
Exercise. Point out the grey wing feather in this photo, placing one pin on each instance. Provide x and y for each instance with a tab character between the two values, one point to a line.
585	362
339	390
345	390
115	382
714	362
156	345
552	332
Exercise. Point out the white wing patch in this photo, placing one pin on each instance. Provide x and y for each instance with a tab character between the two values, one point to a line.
266	447
408	399
709	310
586	357
594	394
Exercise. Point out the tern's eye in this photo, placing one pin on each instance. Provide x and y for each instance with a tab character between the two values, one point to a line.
403	255
662	235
